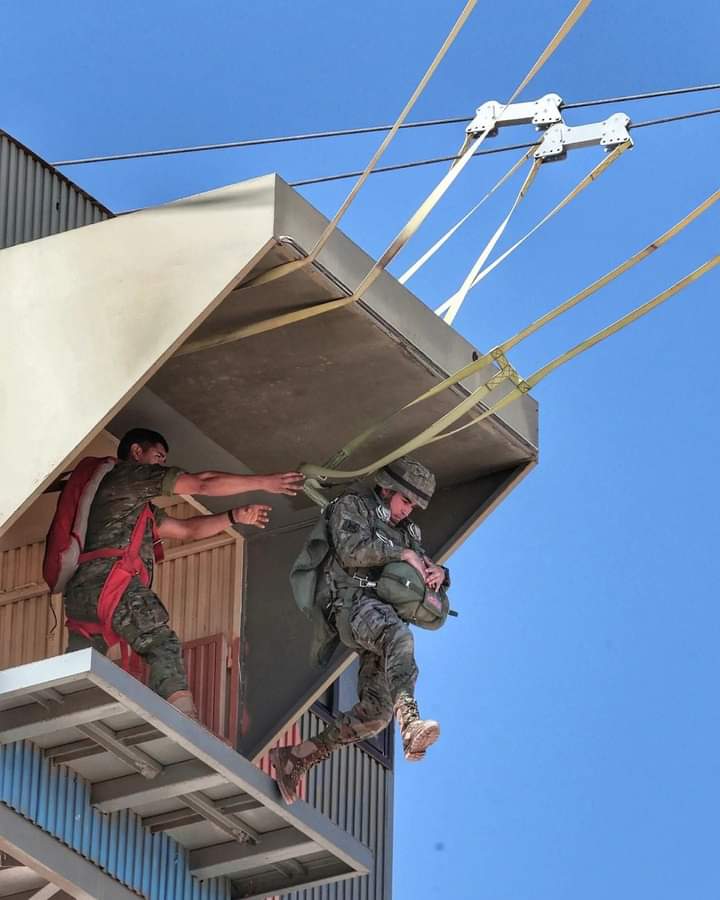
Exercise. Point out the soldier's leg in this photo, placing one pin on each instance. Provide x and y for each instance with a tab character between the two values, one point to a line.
81	604
142	621
372	712
377	628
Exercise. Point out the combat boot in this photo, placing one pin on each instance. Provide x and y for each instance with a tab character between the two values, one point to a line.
417	734
183	700
291	763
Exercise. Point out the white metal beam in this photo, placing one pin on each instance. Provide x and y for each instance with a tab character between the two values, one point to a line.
131	791
32	720
131	756
233	858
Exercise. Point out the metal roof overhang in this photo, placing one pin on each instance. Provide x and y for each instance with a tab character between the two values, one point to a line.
81	709
109	308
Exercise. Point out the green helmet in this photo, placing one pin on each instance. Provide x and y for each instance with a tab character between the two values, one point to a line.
410	477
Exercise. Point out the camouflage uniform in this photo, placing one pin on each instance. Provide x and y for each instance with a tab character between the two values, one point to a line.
140	618
332	584
363	541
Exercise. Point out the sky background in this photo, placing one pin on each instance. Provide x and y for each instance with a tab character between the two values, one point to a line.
577	692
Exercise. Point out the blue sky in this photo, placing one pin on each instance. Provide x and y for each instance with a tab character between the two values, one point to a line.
577	693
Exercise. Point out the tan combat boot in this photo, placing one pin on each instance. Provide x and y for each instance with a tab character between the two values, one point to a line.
291	763
183	700
417	734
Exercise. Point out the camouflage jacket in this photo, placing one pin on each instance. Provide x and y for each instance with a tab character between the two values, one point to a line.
363	541
120	498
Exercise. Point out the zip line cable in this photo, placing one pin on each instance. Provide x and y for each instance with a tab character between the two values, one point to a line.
506	372
443	159
346	132
451	306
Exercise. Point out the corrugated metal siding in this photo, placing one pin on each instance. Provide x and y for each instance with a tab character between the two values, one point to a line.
58	801
356	792
206	665
25	624
199	590
36	200
196	582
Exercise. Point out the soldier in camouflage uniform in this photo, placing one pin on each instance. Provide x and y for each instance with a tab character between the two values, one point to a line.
368	528
140	618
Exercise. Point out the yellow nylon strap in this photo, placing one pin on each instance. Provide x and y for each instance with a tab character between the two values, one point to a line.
416	266
286	268
440	189
435	431
450	308
596	172
322	473
498	354
309	312
592	341
563	32
593	288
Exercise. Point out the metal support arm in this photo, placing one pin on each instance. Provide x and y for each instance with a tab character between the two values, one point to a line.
493	115
560	138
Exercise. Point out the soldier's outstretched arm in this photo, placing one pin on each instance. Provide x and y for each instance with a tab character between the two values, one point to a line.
199	527
224	484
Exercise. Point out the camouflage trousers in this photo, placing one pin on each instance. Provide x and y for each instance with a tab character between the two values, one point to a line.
142	621
387	670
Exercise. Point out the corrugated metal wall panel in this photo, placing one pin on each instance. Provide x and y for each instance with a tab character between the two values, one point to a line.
196	582
356	792
36	200
199	590
206	664
26	622
58	801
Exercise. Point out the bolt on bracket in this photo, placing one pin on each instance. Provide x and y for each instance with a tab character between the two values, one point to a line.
560	138
492	115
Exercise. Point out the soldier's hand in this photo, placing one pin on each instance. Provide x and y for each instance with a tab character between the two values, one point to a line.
256	514
434	576
415	560
283	483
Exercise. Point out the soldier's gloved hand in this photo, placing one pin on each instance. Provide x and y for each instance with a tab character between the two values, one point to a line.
434	576
283	483
415	560
256	514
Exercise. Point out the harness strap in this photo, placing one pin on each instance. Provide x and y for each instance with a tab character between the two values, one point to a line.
128	566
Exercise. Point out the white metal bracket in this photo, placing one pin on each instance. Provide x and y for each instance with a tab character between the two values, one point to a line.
560	138
493	115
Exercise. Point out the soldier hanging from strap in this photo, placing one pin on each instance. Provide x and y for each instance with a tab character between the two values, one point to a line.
109	598
335	580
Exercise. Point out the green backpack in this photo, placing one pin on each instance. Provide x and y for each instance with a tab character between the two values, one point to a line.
402	586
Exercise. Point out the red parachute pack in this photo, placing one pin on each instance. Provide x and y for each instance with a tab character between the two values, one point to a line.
66	537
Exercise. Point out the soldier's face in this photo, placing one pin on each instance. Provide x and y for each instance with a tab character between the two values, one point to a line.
400	507
154	455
